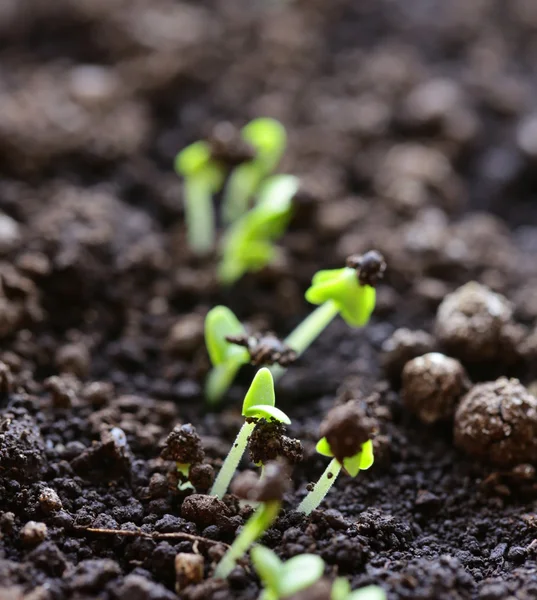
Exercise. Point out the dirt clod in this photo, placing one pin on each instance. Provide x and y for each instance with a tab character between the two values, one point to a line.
346	428
183	445
33	533
432	386
49	501
188	570
404	345
269	442
497	422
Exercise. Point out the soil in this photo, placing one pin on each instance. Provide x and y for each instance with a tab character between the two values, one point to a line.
412	128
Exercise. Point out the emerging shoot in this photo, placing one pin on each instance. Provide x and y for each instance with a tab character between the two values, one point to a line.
183	445
259	403
248	245
283	579
345	437
341	590
268	492
203	177
268	138
349	292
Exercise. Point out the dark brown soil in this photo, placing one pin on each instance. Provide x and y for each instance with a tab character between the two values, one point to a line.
412	126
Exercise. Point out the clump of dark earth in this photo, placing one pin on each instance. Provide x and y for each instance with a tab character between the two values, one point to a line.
268	442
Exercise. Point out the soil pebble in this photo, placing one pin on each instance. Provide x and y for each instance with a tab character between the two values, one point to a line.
404	345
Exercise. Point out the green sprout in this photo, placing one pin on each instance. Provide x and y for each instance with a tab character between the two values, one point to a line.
226	358
203	177
268	494
248	245
360	461
283	579
341	590
268	138
259	403
349	292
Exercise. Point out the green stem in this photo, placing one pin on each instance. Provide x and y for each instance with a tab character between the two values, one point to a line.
240	187
321	488
254	528
220	379
232	461
199	215
301	338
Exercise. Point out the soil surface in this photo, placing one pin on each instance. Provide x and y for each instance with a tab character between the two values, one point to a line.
412	127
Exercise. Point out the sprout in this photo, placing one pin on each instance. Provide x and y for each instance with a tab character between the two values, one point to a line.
248	245
345	438
203	177
259	403
349	292
282	579
341	590
183	445
268	492
225	357
268	138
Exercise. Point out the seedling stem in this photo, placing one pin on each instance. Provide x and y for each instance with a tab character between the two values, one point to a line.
199	216
321	488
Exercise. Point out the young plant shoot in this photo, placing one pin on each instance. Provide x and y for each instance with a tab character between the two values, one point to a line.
203	177
183	445
268	138
341	590
283	579
345	438
248	245
349	292
259	403
268	493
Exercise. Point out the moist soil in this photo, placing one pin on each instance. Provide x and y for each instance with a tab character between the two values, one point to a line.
411	126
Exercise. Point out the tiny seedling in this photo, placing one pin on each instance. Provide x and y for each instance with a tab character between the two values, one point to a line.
268	138
360	461
226	358
283	579
268	493
203	177
341	590
259	403
347	292
248	245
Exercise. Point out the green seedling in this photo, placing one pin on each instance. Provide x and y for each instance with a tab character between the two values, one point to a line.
269	139
283	579
268	493
341	590
248	245
226	358
360	461
259	403
203	177
349	292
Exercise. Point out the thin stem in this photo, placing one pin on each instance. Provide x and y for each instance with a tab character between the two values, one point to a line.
220	379
321	488
253	529
199	215
301	338
240	188
232	461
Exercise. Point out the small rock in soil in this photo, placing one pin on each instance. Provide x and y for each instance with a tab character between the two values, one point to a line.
497	421
475	324
33	533
205	510
433	385
49	501
402	346
188	570
186	335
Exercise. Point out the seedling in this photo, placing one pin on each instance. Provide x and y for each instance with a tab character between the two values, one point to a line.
259	403
268	493
248	245
183	445
283	579
341	590
203	177
345	440
349	292
269	139
226	358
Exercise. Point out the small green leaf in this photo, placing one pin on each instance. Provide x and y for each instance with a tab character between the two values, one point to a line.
268	567
354	301
263	411
192	159
341	589
219	323
351	464
323	447
299	573
366	458
370	592
269	138
261	391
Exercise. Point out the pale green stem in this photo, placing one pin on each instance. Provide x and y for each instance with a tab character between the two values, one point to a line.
254	528
199	215
220	379
301	338
321	488
232	461
241	186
